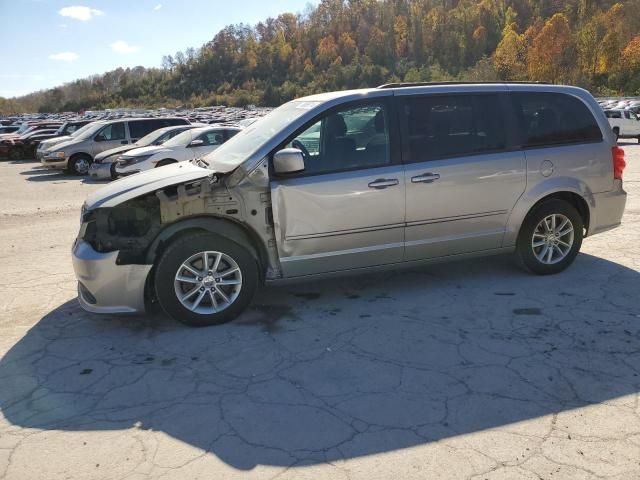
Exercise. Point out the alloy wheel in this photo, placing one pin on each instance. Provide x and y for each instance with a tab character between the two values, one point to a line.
552	239
208	282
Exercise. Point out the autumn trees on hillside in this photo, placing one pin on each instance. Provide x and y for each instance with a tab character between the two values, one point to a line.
598	52
356	43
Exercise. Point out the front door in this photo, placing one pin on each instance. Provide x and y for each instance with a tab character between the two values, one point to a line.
111	136
461	180
346	209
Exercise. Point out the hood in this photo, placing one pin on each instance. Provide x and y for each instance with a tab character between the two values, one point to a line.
54	141
150	150
114	151
64	143
145	182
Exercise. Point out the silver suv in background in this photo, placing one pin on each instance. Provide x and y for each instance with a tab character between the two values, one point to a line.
356	181
77	153
103	166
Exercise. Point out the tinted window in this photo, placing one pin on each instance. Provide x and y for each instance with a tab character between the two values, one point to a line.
356	137
554	119
230	133
115	131
170	122
611	114
142	127
440	126
212	138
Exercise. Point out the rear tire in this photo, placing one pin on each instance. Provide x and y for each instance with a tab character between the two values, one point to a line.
79	164
550	237
199	295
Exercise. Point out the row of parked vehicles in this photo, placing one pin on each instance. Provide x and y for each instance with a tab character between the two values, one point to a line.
337	183
623	115
107	149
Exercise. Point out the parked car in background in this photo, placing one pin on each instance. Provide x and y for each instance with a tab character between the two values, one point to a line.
103	164
9	129
624	123
47	144
27	127
76	154
19	147
402	174
188	145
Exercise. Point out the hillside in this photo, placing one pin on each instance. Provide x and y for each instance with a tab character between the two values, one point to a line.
357	43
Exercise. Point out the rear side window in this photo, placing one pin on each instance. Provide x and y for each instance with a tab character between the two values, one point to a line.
548	119
611	114
143	127
442	126
170	122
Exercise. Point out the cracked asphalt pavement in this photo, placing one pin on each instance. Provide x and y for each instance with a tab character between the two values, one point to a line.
472	370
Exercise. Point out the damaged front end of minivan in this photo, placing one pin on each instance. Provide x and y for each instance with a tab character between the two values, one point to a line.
119	243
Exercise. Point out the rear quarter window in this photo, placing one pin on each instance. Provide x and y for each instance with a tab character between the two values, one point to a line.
548	119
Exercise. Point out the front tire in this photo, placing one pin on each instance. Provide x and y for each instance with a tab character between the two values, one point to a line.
204	279
79	164
550	237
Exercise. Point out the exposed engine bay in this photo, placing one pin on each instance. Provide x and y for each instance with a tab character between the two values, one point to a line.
140	227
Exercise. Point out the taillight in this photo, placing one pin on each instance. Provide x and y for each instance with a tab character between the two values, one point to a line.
618	162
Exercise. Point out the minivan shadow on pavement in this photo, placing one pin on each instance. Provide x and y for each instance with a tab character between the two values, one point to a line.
343	368
47	175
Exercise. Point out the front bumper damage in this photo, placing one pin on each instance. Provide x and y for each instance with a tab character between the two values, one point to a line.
106	287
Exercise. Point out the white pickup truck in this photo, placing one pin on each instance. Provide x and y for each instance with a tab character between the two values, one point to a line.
624	123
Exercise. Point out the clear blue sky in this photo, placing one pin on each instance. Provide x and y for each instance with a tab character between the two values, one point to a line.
49	42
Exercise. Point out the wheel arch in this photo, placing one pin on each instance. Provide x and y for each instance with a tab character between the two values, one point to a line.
166	161
571	190
82	152
232	230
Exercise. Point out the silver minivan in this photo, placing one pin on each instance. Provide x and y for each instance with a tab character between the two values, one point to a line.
356	181
76	153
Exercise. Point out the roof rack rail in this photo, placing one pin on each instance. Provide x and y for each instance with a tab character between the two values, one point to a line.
453	82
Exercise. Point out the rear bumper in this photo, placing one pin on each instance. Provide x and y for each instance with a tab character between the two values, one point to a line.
608	209
104	286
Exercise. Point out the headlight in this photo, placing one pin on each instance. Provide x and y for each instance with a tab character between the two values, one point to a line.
125	160
56	155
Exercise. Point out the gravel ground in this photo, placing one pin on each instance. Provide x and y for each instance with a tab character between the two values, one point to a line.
467	370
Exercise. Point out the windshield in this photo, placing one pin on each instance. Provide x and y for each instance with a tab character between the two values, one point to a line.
149	138
183	139
249	140
80	131
87	131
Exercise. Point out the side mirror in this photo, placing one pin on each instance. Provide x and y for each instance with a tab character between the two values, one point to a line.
196	143
99	138
289	160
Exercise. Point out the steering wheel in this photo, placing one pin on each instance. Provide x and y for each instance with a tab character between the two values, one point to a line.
300	146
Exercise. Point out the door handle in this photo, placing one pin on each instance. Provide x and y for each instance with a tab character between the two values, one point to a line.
383	183
425	178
